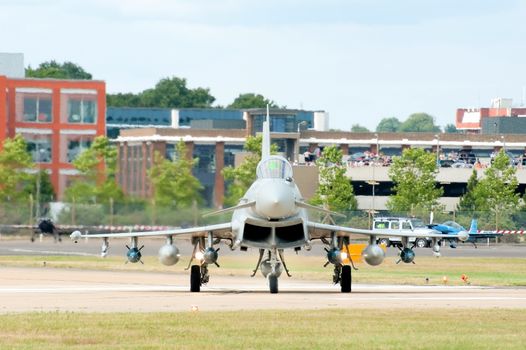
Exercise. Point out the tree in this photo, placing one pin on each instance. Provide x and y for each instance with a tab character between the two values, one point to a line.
413	175
359	128
251	100
98	166
47	192
419	122
241	177
167	93
335	191
496	191
53	69
14	161
123	100
467	202
450	129
173	183
389	125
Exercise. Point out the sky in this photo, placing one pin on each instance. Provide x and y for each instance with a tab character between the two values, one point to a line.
358	60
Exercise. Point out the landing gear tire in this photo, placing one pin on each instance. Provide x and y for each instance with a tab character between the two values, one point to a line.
421	243
273	284
345	279
195	278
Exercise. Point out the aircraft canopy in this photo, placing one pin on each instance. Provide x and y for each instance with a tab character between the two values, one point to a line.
274	168
454	225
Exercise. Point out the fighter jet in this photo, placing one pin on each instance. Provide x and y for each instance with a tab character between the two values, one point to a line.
271	217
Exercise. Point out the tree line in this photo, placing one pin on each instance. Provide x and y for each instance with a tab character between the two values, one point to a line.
173	92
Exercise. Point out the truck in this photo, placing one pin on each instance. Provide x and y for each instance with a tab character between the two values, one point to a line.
387	225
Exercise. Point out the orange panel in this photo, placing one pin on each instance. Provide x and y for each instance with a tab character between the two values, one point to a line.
356	252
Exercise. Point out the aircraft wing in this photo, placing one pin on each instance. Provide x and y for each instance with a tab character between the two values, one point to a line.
485	234
219	230
318	230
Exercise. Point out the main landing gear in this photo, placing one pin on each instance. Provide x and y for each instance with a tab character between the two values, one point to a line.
195	278
342	273
199	273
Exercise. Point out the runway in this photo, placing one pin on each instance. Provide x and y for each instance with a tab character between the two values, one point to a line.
50	289
91	247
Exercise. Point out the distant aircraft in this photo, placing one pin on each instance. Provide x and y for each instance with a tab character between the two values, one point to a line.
451	227
45	227
271	216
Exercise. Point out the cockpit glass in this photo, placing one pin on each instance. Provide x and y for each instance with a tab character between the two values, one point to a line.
453	224
274	168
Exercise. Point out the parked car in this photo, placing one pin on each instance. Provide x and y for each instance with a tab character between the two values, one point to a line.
386	225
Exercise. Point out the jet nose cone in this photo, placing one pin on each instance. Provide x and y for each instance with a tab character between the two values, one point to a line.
275	200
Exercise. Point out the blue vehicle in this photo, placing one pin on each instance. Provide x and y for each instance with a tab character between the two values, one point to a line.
451	227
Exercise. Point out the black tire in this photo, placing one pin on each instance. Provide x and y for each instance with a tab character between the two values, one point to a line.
385	241
346	279
273	284
195	278
421	242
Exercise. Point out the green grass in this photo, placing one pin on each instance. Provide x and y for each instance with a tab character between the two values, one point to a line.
314	329
480	271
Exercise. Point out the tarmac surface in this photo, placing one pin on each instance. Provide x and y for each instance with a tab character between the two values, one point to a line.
91	247
65	290
25	289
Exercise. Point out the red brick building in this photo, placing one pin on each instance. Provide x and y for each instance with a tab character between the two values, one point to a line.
57	118
472	119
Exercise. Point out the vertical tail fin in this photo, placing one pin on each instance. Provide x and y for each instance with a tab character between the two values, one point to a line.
265	144
473	228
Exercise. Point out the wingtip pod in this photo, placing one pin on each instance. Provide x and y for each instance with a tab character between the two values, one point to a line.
75	236
463	236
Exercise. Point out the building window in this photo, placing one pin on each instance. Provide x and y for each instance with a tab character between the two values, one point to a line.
206	159
230	154
72	146
39	146
170	152
33	107
78	108
278	123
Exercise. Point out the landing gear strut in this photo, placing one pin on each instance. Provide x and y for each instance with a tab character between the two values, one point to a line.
199	273
271	267
342	273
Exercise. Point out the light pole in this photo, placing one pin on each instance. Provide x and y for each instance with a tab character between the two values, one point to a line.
438	149
40	151
373	182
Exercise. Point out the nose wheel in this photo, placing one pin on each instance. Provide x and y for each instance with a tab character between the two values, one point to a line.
273	284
